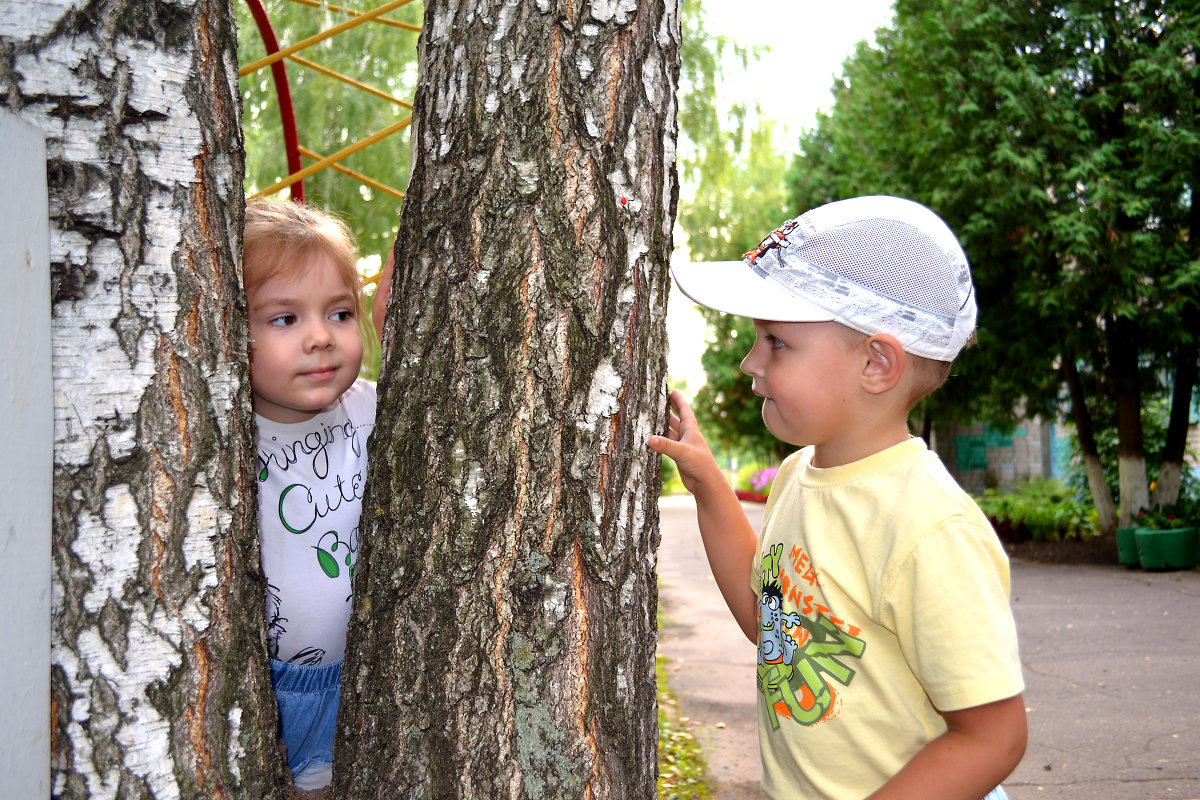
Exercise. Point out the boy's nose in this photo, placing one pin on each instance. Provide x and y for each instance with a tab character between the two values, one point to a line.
749	365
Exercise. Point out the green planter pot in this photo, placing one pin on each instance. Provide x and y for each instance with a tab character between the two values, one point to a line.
1168	548
1127	553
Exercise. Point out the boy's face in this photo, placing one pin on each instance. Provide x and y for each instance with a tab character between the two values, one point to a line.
306	349
808	378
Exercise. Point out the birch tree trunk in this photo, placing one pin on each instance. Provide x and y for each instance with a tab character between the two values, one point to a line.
159	680
502	644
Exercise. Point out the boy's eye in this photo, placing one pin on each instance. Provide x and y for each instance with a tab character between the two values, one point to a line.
283	320
773	343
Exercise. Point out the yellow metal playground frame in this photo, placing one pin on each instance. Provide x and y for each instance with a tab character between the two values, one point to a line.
274	59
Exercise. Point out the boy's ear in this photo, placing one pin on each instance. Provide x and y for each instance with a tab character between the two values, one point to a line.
885	363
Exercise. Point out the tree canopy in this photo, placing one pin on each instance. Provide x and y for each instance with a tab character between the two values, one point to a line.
733	194
1061	142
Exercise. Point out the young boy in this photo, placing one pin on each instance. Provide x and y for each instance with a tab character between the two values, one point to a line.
877	592
313	415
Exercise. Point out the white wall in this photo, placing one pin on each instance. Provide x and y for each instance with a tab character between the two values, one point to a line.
26	448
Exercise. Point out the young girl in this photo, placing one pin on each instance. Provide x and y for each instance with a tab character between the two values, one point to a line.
314	415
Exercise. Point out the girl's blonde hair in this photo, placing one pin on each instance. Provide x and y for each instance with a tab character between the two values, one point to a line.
283	238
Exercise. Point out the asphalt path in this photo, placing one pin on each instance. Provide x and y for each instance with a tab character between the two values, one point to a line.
1112	672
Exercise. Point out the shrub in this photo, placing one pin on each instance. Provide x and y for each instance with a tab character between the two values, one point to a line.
764	479
753	482
1163	518
1041	510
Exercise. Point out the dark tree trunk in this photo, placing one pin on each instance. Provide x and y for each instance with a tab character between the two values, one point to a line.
1170	469
159	678
1133	492
1102	497
503	639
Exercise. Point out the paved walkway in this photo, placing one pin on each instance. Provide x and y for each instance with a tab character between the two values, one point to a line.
1112	671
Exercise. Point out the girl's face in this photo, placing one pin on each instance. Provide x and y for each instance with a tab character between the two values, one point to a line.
306	348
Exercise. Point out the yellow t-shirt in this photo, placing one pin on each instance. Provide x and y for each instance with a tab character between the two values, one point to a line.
883	596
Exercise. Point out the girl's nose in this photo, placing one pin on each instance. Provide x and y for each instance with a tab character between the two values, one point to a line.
319	337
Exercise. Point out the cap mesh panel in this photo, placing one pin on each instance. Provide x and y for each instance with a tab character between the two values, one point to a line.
868	253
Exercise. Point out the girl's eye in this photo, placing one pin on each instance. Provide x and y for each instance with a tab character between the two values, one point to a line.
342	316
283	320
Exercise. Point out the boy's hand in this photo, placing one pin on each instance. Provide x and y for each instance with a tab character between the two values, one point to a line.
685	445
729	540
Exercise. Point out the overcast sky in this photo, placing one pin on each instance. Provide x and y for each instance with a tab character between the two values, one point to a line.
809	40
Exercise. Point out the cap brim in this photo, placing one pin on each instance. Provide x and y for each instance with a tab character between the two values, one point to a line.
735	288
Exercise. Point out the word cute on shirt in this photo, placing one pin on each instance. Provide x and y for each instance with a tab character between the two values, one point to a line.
301	505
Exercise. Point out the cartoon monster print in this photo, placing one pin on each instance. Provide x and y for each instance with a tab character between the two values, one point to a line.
775	645
792	676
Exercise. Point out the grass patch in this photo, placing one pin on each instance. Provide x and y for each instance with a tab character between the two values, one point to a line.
682	770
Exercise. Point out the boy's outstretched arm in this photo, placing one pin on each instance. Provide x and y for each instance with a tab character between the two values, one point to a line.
981	748
729	540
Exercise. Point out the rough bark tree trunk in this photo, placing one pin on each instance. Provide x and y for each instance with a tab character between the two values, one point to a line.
1133	491
1170	467
1102	497
502	644
159	679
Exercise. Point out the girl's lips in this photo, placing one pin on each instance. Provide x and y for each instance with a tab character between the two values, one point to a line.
319	375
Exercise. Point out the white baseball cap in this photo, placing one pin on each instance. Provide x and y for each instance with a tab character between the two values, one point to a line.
875	264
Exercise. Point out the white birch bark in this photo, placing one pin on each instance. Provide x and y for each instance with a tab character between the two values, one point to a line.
156	686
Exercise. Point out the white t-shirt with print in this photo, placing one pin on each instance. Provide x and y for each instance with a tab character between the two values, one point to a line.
310	478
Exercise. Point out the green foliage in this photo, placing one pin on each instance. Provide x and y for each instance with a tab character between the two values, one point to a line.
733	195
671	482
1041	510
331	115
727	409
1173	516
1062	143
681	765
1154	424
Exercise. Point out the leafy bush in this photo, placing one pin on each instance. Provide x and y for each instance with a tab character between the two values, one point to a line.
1041	510
1164	518
1155	413
764	479
753	482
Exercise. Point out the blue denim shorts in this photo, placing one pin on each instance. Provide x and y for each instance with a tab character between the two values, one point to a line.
307	697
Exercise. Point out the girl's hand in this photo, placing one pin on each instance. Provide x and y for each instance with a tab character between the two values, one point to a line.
685	445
